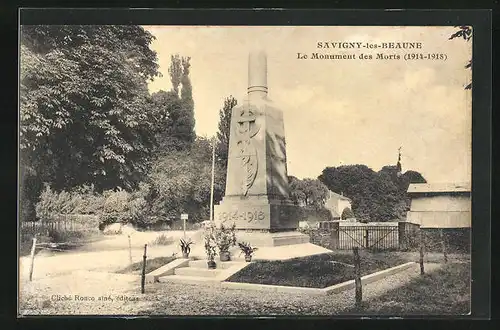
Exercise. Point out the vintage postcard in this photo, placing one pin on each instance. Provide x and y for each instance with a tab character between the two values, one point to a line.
245	170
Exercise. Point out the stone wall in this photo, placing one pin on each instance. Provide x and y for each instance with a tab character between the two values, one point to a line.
321	237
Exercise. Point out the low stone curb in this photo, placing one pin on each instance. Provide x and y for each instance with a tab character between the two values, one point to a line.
167	269
337	288
370	278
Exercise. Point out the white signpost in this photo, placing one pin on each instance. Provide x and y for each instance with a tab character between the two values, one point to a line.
184	217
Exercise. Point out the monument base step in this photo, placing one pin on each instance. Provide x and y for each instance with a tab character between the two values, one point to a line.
268	239
202	264
197	271
286	252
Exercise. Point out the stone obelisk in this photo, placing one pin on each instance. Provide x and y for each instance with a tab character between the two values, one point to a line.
257	193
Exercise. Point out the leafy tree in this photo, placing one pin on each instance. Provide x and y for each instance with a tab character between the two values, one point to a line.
179	133
222	148
349	179
413	177
347	214
84	105
181	180
188	103
311	195
297	193
376	196
175	72
464	32
309	192
167	106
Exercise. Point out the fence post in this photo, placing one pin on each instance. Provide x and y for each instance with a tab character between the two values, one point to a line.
33	248
366	239
357	277
143	277
401	235
443	242
421	253
335	235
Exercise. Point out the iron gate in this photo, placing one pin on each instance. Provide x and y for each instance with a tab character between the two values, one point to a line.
368	237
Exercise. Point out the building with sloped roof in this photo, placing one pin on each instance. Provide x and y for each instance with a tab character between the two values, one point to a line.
443	211
337	204
440	205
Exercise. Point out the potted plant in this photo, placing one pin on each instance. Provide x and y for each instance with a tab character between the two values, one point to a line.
225	238
210	247
247	250
185	247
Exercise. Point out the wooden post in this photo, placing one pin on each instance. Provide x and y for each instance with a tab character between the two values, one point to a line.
443	242
421	253
33	248
366	238
129	250
357	277
335	235
143	277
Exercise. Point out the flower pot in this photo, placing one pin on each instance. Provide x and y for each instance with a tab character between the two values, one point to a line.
185	255
211	264
225	256
248	258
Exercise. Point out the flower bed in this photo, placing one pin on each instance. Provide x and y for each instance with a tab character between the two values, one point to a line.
318	271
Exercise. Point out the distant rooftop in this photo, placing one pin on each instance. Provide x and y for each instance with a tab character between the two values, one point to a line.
439	187
339	196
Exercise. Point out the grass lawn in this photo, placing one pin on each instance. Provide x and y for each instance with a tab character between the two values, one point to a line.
445	291
151	264
318	271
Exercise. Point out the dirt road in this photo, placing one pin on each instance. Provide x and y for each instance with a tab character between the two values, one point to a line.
105	255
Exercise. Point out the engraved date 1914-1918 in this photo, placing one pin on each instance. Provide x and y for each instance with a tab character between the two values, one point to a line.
248	216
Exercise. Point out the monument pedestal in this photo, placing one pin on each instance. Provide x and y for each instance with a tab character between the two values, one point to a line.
260	221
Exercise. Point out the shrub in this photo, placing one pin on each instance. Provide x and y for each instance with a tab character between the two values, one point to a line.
87	201
52	203
162	240
81	200
347	214
124	207
315	214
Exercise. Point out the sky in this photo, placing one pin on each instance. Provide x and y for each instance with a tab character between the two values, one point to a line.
338	112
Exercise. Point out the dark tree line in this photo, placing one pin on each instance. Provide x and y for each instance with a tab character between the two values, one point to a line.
376	196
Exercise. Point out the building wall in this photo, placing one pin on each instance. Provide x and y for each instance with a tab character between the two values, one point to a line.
443	211
337	205
342	205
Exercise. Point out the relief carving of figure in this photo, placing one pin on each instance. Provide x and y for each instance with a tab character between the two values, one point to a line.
246	129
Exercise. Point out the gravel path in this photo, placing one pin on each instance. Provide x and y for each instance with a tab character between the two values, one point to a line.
124	298
104	255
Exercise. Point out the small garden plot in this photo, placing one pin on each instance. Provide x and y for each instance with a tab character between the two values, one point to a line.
318	271
151	264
